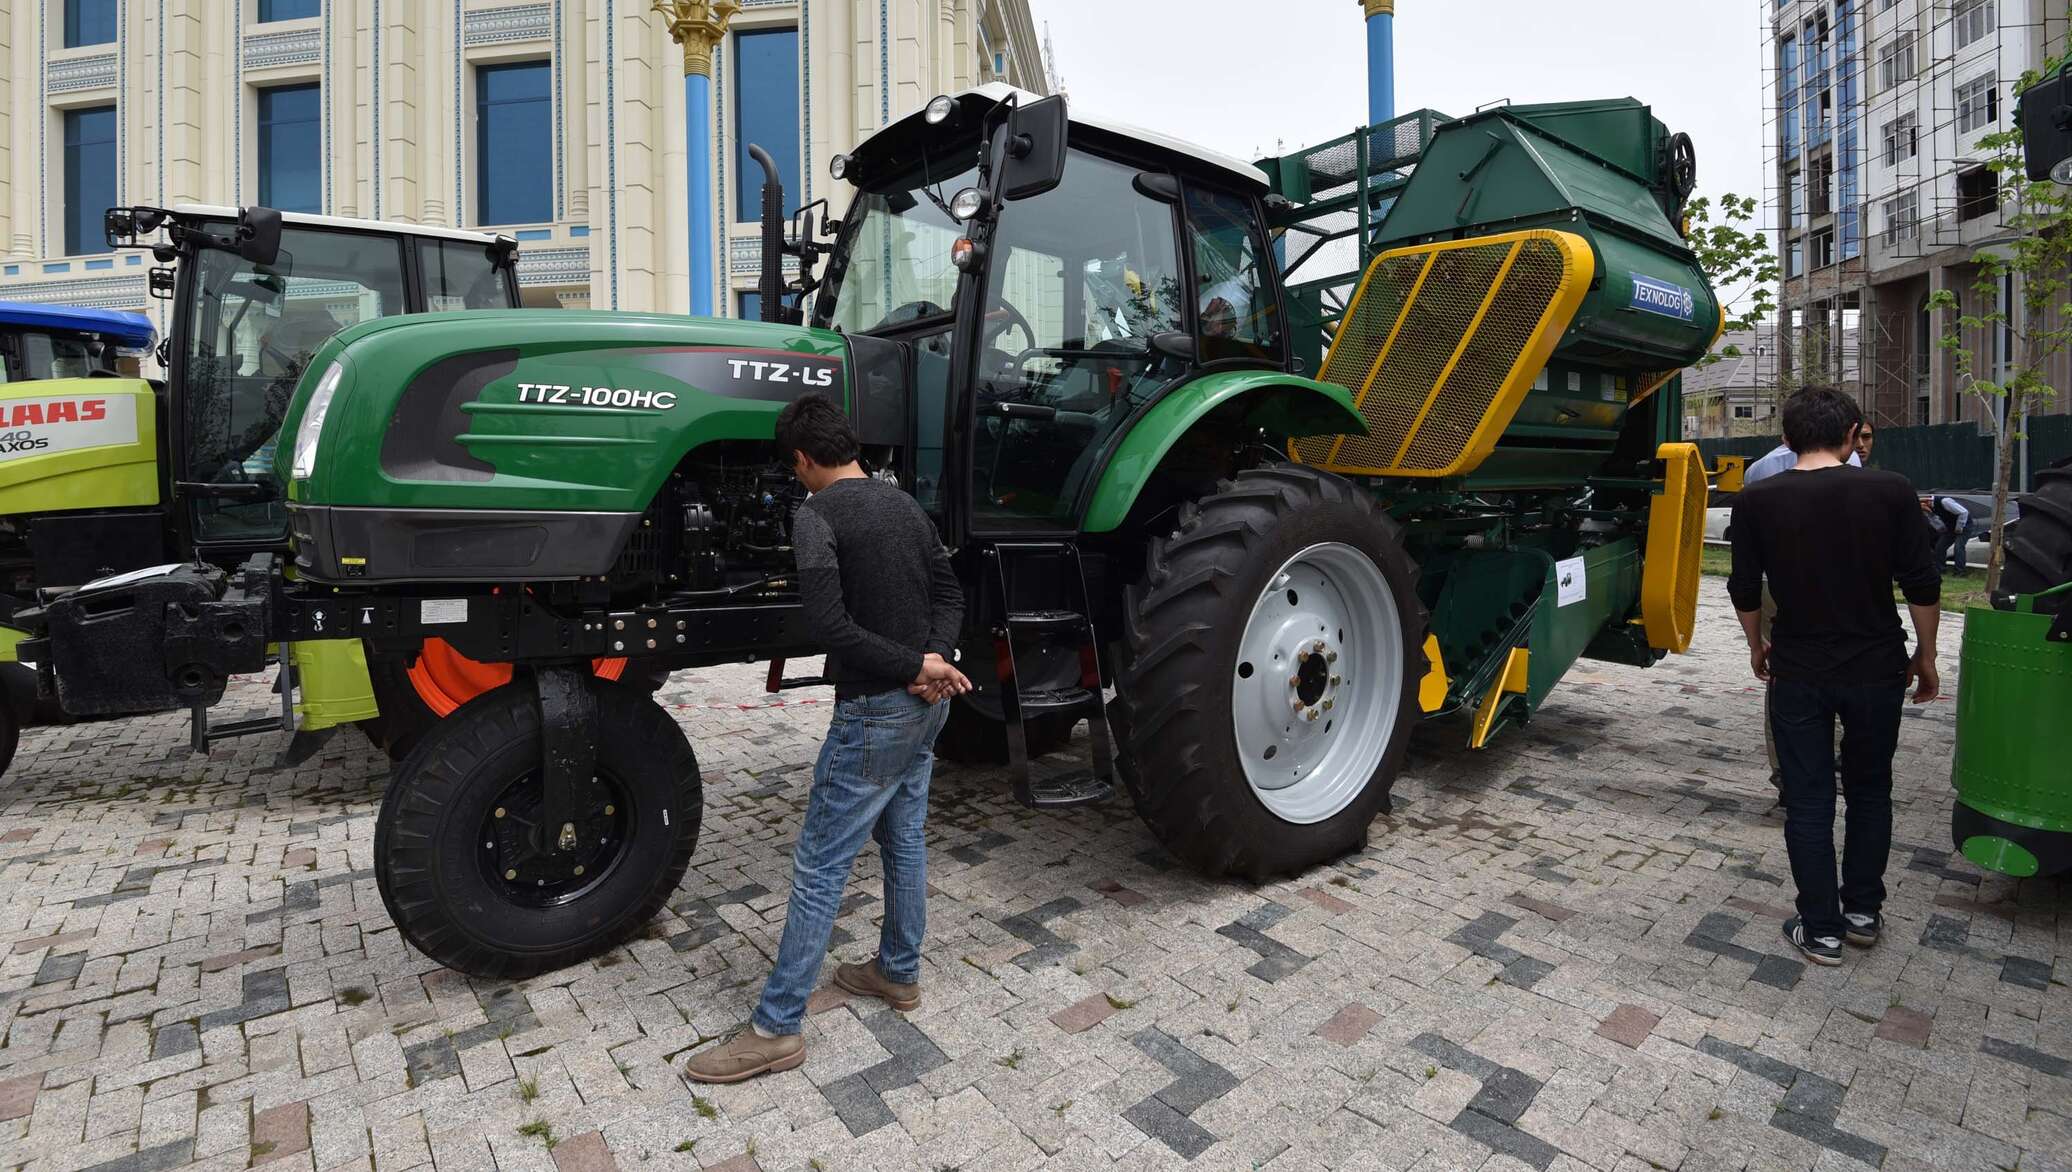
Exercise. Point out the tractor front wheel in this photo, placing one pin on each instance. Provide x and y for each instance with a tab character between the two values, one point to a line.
1267	675
473	879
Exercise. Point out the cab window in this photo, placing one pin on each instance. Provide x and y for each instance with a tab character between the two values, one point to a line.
1234	294
461	274
1083	277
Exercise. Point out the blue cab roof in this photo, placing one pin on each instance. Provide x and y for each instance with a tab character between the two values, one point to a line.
124	327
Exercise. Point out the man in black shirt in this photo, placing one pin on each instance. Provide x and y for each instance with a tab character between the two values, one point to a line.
1832	540
879	594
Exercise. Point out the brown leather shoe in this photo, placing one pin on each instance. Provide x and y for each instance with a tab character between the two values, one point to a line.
744	1056
865	980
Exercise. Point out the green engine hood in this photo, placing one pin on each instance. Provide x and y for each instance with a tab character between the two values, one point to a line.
543	409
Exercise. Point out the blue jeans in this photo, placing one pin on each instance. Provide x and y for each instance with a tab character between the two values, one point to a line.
871	781
1802	717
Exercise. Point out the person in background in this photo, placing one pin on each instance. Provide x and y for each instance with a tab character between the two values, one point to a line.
1861	457
879	594
1952	524
1830	541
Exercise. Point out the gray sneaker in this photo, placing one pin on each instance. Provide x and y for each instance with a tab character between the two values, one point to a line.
1826	950
1864	927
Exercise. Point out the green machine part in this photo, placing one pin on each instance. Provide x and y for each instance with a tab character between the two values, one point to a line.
2014	788
332	684
78	443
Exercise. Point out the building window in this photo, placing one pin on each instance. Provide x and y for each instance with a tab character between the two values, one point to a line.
766	114
1902	217
1902	139
1822	247
291	163
514	126
1795	259
1978	193
1820	186
1896	61
1978	103
1972	19
89	22
272	10
1744	410
89	177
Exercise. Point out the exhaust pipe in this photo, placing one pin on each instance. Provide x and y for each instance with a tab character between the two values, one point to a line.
770	285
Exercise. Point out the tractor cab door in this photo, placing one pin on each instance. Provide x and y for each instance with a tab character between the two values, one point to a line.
1082	279
245	333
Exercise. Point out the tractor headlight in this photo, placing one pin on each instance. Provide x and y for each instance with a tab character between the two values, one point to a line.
312	425
939	109
967	203
838	166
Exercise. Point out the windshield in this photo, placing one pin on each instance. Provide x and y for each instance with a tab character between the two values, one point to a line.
461	274
41	356
251	331
898	264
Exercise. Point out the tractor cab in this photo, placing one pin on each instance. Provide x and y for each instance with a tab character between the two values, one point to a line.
39	341
255	292
1049	280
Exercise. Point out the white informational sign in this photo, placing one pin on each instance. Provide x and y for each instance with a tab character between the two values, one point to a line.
1572	583
62	423
434	611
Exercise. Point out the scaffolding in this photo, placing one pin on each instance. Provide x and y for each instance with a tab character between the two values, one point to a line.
1873	186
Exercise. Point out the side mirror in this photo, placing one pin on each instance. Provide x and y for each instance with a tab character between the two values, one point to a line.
1033	160
259	235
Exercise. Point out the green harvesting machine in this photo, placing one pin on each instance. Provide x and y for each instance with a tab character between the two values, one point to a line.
1249	469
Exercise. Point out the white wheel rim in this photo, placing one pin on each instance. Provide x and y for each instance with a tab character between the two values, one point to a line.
1316	687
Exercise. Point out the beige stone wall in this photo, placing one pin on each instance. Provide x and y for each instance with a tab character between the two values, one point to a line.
398	108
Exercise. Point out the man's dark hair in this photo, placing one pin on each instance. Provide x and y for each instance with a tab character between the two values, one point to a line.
1818	419
815	426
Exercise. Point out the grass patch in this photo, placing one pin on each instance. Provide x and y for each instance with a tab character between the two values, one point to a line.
540	1130
689	1145
528	1089
1012	1061
1959	591
1431	1072
703	1106
354	996
1115	1002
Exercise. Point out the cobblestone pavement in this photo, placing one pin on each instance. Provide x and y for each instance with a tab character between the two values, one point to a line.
1560	953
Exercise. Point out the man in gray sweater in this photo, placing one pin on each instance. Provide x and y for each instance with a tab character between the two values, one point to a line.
879	594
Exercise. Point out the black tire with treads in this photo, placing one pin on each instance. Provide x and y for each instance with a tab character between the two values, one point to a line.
2039	546
428	837
1182	626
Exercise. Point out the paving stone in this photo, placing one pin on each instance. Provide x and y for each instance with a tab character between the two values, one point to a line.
1908	1027
1541	907
1628	1025
2027	973
584	1153
18	1095
1083	1014
1326	900
1348	1025
280	1132
2028	1056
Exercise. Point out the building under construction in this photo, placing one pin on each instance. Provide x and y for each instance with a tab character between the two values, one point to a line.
1881	197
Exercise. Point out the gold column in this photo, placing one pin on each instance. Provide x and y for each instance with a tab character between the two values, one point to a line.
697	25
1379	7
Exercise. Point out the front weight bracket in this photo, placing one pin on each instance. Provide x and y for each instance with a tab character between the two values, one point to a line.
568	749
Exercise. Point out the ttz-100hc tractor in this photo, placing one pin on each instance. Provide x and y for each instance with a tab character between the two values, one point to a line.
1074	344
107	474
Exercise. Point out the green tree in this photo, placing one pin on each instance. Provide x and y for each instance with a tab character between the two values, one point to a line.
2037	254
1737	258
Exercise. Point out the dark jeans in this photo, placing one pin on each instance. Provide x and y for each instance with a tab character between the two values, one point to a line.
1802	719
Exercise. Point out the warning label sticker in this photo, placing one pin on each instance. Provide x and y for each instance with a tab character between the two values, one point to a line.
62	423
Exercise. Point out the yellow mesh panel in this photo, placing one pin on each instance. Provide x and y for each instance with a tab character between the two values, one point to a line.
1460	330
1506	329
1676	538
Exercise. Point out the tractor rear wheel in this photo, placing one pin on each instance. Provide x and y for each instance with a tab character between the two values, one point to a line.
1268	671
415	694
458	852
971	737
2039	546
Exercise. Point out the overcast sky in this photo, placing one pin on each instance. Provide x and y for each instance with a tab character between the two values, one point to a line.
1258	77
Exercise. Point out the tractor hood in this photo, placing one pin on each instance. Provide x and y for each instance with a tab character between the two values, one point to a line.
536	410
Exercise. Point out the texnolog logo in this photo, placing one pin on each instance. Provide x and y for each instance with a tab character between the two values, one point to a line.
35	426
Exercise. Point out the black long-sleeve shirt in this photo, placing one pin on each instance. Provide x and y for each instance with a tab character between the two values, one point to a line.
1832	542
877	585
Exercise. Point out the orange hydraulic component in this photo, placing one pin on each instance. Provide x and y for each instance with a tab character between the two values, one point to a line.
445	679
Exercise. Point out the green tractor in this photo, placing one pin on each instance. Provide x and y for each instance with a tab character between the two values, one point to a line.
1250	562
103	475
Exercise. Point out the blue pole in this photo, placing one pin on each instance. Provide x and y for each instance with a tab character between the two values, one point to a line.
1381	62
697	91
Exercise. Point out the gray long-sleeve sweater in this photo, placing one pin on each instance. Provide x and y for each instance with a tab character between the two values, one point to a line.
877	585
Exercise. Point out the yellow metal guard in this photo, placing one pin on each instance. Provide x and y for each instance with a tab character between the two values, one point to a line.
1443	341
1676	536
